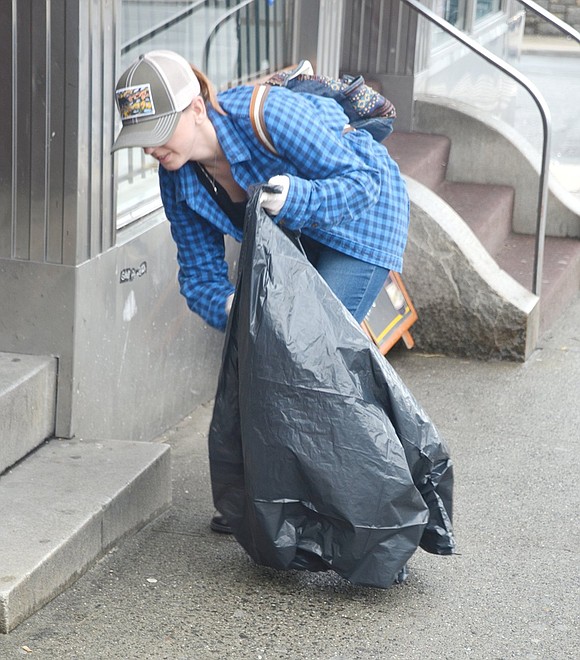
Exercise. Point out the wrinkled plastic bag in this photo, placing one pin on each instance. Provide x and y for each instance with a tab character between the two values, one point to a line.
320	457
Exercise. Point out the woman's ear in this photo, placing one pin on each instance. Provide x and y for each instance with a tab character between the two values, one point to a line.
199	110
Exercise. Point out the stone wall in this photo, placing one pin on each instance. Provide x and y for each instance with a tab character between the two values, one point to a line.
566	10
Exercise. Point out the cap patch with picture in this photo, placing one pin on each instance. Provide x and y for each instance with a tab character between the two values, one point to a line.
135	102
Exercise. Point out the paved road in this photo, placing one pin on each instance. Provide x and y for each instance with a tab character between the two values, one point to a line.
557	76
177	590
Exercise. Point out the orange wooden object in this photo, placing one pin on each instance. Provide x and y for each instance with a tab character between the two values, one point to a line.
391	317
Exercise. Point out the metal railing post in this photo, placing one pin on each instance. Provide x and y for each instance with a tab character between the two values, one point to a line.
546	124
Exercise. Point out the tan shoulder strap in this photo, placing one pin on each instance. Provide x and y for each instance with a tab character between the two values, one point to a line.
257	117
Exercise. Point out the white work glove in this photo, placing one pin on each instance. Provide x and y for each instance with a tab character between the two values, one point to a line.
272	202
229	301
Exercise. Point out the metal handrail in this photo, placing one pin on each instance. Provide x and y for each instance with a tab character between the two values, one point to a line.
258	72
217	25
554	20
546	124
180	16
161	27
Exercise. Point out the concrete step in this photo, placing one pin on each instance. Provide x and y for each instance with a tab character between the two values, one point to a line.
561	272
27	404
421	156
64	506
486	209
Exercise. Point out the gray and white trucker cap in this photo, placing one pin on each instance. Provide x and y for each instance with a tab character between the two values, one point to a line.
150	96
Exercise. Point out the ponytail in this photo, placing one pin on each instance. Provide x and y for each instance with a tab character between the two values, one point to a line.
207	91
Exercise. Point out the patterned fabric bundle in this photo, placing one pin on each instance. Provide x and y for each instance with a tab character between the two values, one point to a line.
364	100
365	108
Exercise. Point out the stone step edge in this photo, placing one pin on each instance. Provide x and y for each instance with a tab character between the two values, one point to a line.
467	305
65	506
27	404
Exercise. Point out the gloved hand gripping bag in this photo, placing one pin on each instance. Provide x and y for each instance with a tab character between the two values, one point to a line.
320	457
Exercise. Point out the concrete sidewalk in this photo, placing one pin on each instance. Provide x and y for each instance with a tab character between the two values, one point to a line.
550	45
177	590
551	63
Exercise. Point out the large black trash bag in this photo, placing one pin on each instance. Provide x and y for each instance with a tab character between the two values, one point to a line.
320	457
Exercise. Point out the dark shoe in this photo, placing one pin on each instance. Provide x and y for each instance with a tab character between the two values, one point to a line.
402	575
220	524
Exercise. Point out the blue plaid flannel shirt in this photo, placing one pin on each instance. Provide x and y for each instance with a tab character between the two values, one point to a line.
345	191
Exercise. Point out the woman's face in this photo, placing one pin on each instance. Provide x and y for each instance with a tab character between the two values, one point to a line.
188	141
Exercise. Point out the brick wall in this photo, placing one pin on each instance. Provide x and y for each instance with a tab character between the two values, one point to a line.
566	10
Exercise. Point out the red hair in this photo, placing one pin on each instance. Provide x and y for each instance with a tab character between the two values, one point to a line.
207	91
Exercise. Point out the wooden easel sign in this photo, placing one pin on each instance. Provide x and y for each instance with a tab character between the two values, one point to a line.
391	316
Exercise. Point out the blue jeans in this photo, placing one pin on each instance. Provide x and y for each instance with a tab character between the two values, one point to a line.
354	282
